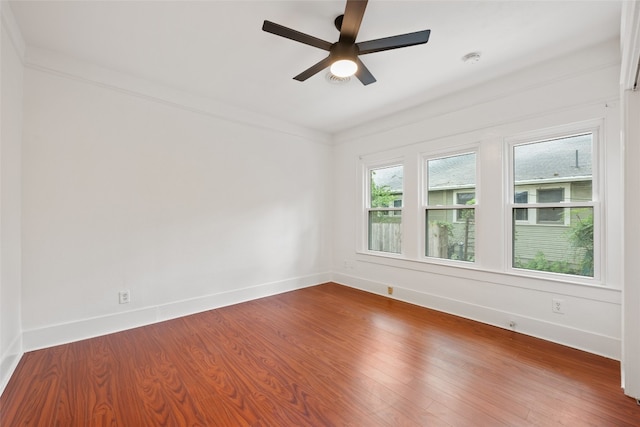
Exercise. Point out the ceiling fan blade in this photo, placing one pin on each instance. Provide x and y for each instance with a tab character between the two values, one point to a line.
363	74
314	69
394	42
353	13
282	31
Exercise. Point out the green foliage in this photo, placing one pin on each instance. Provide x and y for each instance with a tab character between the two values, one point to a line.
381	196
581	237
468	214
443	226
541	263
379	217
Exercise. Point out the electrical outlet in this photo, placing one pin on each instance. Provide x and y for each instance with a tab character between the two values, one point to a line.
124	297
557	306
390	290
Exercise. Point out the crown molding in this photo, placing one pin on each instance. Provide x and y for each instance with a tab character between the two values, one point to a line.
13	29
596	58
50	62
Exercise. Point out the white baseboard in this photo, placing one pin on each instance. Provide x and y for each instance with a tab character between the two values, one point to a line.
89	328
9	362
602	345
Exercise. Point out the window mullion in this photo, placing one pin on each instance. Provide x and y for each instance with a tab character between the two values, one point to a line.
552	205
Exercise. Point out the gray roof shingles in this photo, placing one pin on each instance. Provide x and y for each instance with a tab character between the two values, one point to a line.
561	159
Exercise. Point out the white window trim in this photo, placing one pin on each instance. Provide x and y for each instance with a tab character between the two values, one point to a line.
596	128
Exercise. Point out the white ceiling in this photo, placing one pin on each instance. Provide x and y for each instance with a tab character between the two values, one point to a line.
217	48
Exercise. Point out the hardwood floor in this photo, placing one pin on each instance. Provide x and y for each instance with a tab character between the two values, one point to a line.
321	356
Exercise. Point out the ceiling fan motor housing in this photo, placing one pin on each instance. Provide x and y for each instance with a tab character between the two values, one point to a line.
343	51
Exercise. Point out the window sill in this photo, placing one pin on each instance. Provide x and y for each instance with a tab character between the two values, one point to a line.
571	286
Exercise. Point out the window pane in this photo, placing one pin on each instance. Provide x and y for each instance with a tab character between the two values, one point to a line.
449	174
386	187
385	226
550	195
385	232
522	197
564	160
448	239
566	249
521	214
550	216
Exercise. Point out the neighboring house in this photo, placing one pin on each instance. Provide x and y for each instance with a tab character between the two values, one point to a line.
543	173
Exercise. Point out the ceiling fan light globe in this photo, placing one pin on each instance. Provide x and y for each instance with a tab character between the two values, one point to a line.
344	68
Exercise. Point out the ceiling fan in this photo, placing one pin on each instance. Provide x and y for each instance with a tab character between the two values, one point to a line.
344	54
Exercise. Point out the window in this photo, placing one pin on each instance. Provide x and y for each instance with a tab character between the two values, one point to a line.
550	215
384	209
521	214
450	207
552	205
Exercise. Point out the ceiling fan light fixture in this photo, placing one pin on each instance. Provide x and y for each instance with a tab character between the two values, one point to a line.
344	68
344	55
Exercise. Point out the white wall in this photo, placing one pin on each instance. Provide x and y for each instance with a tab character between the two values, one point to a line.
578	88
186	209
10	187
630	46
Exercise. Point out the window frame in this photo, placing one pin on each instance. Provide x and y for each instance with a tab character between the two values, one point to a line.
595	128
425	207
367	168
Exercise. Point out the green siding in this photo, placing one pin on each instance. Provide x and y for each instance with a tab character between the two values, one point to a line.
552	241
581	191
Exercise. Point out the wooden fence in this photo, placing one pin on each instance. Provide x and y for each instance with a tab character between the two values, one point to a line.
385	237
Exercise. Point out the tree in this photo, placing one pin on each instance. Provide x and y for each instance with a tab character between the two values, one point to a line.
581	237
381	196
468	215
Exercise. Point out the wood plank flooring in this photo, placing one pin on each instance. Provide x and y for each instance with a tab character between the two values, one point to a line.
322	356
